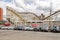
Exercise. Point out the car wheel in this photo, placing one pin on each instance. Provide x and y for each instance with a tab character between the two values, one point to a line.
35	29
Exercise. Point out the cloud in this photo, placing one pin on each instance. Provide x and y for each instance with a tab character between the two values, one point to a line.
28	2
36	6
20	3
43	8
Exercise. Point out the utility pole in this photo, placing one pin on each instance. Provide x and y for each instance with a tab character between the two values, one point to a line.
50	14
50	8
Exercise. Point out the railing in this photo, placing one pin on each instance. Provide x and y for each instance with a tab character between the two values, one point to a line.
15	13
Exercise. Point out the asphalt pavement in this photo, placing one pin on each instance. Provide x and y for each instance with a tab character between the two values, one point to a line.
28	35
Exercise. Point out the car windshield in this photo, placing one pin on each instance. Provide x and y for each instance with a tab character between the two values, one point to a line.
27	26
54	26
45	26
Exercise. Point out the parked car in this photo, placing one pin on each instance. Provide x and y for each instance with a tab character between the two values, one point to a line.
37	28
28	28
6	23
7	28
19	28
55	28
44	28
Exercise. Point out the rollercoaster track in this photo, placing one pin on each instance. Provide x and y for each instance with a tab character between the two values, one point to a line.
52	14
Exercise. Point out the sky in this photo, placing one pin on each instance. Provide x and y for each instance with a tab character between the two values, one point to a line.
38	6
35	6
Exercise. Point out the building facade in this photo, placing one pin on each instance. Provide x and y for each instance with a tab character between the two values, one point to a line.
1	14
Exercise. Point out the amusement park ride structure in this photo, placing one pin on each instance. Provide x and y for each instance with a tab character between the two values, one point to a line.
20	16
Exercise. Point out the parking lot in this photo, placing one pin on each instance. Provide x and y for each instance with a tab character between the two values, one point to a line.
27	35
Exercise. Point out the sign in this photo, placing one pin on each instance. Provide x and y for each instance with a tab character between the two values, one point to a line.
35	25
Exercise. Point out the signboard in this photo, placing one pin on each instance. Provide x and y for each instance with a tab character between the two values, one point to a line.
35	25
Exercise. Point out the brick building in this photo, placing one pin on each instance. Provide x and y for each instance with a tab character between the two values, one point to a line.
1	14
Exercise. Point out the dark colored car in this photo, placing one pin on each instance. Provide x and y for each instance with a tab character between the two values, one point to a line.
37	28
55	28
19	28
